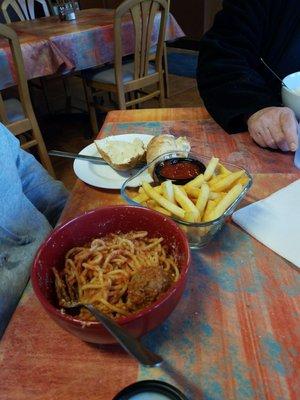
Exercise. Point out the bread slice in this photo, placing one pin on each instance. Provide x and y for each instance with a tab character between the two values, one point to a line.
183	144
120	155
165	143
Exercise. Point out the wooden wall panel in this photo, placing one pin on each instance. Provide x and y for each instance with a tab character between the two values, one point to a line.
189	14
100	3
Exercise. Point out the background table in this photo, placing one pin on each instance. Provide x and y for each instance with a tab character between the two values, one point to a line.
235	333
50	45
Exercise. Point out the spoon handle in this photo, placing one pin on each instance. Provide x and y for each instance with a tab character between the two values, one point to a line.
273	72
129	343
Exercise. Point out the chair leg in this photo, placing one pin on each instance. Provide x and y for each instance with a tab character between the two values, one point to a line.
162	90
121	100
166	72
43	154
136	97
131	96
36	134
91	108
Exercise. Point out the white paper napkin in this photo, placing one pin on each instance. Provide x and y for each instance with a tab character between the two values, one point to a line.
275	221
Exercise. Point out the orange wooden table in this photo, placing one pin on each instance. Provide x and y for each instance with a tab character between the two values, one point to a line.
234	335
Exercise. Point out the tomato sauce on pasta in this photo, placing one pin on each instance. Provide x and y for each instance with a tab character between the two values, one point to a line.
119	274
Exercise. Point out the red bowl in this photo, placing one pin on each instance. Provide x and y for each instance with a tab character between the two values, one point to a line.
96	223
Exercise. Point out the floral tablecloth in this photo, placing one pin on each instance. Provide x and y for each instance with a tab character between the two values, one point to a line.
52	46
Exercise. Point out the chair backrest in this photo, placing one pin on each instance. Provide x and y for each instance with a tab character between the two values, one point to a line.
17	57
143	14
23	8
28	122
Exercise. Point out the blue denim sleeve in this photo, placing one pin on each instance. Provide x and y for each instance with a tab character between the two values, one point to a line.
45	193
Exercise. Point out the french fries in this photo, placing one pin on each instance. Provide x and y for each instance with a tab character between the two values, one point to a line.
223	170
210	169
203	199
143	197
227	200
188	206
196	182
177	211
226	182
211	204
168	191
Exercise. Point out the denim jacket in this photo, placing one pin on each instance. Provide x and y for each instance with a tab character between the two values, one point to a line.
30	204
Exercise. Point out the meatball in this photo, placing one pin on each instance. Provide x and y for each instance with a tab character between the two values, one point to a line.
146	285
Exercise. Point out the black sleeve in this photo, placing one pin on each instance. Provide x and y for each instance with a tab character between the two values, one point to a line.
228	75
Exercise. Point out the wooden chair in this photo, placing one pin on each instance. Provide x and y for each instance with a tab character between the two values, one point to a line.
18	115
23	8
128	80
166	72
25	11
165	65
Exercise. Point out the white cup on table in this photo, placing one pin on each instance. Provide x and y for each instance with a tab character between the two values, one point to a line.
291	99
291	93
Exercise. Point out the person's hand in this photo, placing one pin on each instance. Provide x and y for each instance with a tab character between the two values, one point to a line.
274	127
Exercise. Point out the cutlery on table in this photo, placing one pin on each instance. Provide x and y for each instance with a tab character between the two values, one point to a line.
67	154
93	159
129	343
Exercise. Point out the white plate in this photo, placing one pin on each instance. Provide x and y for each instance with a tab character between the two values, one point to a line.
103	176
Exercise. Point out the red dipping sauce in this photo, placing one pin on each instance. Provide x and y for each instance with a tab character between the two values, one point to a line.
179	170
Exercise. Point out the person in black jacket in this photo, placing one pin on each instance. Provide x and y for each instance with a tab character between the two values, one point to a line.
237	89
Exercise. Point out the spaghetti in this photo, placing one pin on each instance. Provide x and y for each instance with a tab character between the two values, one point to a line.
119	274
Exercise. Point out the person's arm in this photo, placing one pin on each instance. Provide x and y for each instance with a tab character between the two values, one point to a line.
228	77
46	194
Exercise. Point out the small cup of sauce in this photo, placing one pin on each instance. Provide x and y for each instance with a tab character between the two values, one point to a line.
179	170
